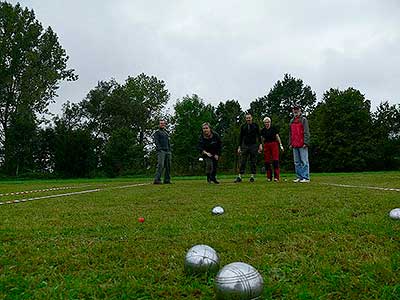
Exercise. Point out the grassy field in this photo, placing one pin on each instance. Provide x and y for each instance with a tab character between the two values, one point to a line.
309	241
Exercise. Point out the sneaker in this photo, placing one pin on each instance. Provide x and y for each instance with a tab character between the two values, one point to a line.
305	181
296	180
238	179
157	182
167	182
215	181
269	179
276	179
251	179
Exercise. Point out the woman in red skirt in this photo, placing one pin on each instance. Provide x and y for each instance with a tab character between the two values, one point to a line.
272	143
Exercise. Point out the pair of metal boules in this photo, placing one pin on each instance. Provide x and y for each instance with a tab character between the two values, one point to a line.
234	281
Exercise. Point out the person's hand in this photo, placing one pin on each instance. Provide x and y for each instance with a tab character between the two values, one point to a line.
260	148
238	150
305	146
207	153
281	146
216	157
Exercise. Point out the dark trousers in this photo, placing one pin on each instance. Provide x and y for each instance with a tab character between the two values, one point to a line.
248	151
163	163
211	167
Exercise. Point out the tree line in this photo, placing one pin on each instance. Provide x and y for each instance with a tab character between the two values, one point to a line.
109	132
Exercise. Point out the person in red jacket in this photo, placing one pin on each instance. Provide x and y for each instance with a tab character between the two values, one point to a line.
299	141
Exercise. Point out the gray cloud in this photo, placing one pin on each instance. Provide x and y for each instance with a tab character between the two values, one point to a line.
229	49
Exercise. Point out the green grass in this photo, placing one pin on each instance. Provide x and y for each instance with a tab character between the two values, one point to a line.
309	241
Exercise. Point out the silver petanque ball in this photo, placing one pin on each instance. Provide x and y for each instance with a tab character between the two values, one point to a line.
238	281
217	210
395	213
201	259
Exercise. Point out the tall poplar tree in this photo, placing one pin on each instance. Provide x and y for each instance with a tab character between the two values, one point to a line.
32	64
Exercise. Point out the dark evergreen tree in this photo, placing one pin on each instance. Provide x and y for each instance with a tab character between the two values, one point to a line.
21	142
190	114
229	116
74	153
386	131
117	114
342	133
281	97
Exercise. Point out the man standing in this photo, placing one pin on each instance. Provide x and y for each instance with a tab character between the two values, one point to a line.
299	140
163	148
249	145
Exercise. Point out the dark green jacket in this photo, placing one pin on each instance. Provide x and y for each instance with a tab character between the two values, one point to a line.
161	139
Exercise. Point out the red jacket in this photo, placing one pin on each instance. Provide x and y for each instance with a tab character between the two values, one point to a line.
299	133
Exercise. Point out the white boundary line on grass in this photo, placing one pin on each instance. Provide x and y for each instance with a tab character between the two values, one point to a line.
71	194
363	186
42	190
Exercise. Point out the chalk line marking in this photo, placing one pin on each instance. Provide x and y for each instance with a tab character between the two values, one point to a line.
42	190
71	194
363	186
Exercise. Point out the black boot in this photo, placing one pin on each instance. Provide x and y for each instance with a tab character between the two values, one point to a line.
214	179
208	178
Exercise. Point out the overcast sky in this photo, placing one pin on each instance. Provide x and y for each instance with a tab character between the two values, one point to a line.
223	50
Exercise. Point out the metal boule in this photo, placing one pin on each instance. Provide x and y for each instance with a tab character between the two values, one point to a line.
395	214
217	210
239	280
201	259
